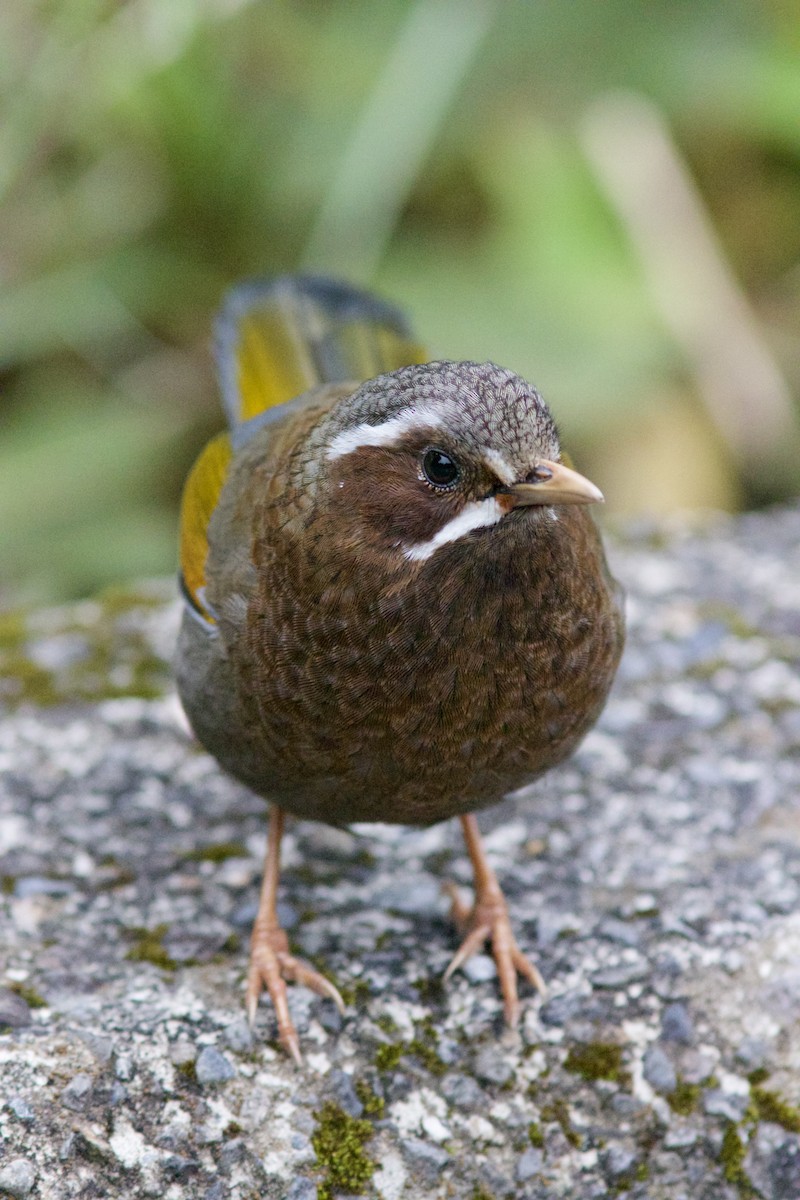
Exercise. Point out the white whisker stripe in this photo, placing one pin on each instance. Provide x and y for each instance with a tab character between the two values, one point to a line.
475	515
501	467
386	434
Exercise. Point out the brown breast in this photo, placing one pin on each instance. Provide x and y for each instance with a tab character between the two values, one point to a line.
378	689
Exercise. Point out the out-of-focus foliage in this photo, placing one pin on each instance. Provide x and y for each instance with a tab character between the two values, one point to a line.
151	153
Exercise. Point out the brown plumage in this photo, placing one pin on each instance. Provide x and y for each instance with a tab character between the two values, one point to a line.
379	639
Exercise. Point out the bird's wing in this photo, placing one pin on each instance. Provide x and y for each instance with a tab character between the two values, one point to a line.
279	338
276	340
200	496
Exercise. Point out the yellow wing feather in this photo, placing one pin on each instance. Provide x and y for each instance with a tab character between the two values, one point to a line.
200	498
278	339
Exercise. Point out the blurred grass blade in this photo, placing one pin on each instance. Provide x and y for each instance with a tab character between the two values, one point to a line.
702	303
395	133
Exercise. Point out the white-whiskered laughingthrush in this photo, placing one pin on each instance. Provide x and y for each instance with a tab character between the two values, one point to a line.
397	604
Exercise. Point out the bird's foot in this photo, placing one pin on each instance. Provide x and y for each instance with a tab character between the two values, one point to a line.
271	963
487	920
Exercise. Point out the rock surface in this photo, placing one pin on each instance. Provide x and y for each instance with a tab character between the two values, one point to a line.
655	878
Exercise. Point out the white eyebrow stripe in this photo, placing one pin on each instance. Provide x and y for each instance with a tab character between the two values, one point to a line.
475	515
386	434
501	466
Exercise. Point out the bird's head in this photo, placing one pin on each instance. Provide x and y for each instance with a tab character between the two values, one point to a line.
425	456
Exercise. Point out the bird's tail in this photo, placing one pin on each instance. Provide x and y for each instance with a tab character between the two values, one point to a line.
277	338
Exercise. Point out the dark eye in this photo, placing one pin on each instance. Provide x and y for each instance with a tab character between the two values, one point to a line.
439	468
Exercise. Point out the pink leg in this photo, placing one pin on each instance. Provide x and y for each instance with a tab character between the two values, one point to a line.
488	920
270	960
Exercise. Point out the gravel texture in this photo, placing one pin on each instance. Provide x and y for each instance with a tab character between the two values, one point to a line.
655	879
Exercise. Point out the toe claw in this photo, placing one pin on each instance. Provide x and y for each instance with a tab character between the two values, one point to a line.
271	965
471	944
488	920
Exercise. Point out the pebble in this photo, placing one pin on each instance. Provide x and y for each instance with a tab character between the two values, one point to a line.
14	1011
463	1092
427	1158
345	1093
212	1067
38	885
676	1024
528	1165
659	1071
238	1035
490	1067
302	1189
618	1161
722	1104
17	1177
624	933
21	1109
480	968
621	976
77	1092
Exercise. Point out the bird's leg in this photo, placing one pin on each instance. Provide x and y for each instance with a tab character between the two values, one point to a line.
488	920
270	960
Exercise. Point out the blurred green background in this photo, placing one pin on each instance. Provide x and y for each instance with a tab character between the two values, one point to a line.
604	196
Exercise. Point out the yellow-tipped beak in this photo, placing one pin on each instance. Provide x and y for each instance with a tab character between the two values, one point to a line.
553	483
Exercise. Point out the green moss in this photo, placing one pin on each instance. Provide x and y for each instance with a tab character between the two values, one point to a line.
430	989
388	1056
732	1158
231	945
355	994
373	1104
479	1192
758	1076
187	1069
116	658
25	682
772	1107
338	1143
597	1060
148	947
117	600
624	1183
424	1047
558	1111
216	853
535	1135
683	1100
726	614
29	994
386	1024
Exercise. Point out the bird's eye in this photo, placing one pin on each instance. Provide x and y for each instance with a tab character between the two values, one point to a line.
440	469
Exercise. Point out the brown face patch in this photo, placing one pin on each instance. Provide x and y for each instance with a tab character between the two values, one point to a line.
380	489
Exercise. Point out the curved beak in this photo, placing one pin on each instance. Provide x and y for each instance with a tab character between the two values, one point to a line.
553	483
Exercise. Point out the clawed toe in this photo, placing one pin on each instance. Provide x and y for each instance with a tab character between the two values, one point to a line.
271	965
271	962
488	920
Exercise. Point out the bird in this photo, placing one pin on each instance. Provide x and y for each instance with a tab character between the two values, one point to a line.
397	603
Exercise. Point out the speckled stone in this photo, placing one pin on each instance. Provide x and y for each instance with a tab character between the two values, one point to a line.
17	1177
528	1165
212	1067
653	878
659	1071
14	1011
676	1024
77	1092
